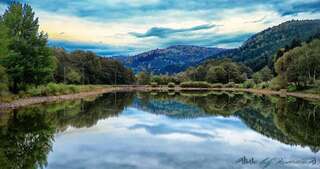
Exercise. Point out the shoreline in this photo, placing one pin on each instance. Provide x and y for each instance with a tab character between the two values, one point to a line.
47	99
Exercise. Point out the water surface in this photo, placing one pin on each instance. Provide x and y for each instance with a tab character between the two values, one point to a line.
163	131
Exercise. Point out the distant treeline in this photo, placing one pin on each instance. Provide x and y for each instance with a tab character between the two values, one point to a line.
80	67
295	67
27	61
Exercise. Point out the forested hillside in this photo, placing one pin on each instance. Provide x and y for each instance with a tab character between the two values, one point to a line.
258	51
80	67
170	60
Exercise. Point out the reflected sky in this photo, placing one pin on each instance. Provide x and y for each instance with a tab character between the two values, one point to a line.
138	139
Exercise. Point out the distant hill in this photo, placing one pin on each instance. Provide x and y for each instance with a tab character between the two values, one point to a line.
258	50
170	60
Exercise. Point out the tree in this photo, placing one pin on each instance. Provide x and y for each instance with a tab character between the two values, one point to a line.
217	74
301	65
143	78
263	75
4	81
73	77
30	60
4	40
91	68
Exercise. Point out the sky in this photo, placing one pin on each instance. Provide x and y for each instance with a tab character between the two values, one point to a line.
127	27
138	139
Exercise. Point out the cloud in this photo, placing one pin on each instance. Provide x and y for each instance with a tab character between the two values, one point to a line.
141	25
165	32
213	40
162	129
301	7
99	49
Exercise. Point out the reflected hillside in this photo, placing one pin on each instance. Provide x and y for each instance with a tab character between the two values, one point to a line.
170	105
26	135
288	120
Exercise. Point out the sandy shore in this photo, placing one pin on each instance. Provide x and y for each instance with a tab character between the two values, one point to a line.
46	99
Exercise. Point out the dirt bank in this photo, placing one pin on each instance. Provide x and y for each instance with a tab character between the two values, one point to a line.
46	99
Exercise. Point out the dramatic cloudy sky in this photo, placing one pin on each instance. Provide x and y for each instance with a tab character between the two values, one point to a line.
120	27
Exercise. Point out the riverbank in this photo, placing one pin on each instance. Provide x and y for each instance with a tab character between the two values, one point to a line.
95	92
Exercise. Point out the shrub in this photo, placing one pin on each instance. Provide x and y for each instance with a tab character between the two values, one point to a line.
278	83
230	85
197	84
74	89
292	88
248	84
262	85
54	89
171	85
154	84
217	85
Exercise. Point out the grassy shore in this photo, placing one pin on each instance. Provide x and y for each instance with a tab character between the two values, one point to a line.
67	92
51	89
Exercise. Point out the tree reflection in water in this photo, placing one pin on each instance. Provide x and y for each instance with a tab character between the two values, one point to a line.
27	135
291	121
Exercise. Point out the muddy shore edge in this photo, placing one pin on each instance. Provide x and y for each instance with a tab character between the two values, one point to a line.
47	99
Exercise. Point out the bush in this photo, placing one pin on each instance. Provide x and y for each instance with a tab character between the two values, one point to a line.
230	85
292	88
278	83
197	84
262	85
154	84
248	84
54	89
217	85
171	85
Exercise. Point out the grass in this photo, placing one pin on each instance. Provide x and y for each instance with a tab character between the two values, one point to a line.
51	89
196	84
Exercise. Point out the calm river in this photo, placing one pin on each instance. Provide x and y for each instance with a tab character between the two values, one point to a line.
164	131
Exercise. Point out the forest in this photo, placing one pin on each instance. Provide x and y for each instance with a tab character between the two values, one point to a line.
27	62
28	65
295	67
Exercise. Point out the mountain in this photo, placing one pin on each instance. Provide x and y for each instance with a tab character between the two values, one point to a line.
170	60
258	50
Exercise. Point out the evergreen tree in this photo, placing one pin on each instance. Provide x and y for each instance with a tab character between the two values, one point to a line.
30	60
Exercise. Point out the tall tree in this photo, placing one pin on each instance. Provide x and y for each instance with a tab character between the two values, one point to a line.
4	40
30	60
300	65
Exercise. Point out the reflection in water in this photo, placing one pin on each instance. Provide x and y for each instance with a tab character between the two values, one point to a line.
27	135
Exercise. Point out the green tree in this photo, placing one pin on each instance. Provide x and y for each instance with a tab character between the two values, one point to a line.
143	78
73	76
263	75
91	68
217	74
301	65
4	40
30	61
4	81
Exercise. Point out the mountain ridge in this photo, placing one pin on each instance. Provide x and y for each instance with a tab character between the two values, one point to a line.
256	52
170	60
259	49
